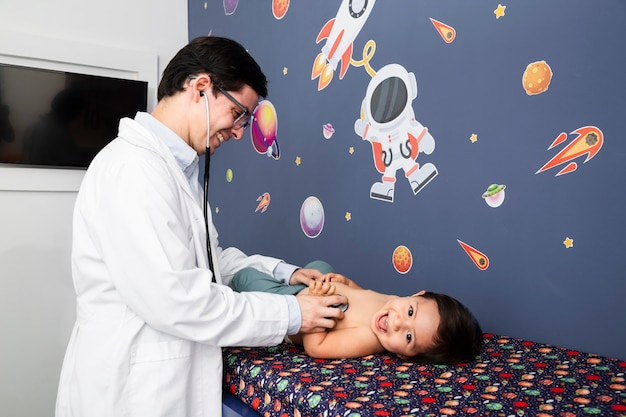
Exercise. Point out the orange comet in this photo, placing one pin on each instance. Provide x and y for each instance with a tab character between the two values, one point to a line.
589	141
479	258
264	202
446	32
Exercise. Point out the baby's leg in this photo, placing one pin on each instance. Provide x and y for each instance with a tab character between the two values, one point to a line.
323	267
250	279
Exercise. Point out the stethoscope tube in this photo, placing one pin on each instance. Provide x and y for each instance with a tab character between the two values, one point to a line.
207	165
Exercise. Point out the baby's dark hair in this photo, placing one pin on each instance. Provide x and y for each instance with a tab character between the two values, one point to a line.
459	338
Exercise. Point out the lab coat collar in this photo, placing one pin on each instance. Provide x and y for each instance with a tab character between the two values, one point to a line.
138	135
186	157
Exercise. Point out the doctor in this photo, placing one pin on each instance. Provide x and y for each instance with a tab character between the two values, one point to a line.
150	321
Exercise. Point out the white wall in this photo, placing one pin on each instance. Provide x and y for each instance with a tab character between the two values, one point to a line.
128	39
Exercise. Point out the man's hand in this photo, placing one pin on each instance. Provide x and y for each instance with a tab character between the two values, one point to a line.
317	313
304	276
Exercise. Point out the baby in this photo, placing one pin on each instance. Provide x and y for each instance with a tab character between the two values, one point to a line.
425	327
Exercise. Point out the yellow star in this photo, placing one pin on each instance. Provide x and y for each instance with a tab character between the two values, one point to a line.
285	71
499	12
348	216
474	137
217	210
298	161
351	150
568	242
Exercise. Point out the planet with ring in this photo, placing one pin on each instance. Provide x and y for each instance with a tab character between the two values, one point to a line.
494	196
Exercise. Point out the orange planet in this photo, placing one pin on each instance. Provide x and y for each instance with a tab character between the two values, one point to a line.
402	259
279	8
537	77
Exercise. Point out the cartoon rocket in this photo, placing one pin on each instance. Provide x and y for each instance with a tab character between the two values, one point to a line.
264	202
339	32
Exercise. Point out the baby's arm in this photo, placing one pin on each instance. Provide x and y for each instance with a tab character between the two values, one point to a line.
344	343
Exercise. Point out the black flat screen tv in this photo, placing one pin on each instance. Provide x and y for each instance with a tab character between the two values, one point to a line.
61	119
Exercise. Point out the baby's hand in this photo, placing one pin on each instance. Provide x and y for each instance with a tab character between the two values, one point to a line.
333	277
342	279
321	288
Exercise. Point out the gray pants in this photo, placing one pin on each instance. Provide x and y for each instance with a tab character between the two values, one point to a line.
250	279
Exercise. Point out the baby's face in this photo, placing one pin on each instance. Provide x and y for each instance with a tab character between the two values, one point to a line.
406	326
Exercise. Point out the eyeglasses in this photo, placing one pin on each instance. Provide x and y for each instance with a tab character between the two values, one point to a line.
243	120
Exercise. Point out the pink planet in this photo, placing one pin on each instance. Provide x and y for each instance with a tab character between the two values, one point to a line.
263	129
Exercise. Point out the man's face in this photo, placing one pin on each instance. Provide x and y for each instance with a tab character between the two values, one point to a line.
224	111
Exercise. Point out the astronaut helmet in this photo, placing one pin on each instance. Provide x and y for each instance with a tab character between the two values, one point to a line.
389	96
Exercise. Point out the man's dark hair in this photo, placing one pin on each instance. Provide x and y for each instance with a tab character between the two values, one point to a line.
459	337
226	61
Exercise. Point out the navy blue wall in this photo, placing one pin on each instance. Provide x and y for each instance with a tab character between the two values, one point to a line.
555	246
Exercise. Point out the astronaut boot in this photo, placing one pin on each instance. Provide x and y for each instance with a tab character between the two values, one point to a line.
382	191
422	176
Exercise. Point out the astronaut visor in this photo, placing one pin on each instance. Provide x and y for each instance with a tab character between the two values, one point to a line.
388	100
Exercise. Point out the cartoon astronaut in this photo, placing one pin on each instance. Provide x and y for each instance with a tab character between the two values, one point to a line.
388	122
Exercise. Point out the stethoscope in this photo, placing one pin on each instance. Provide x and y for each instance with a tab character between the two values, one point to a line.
207	164
272	150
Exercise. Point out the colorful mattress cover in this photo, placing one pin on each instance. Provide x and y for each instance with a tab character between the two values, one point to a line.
512	377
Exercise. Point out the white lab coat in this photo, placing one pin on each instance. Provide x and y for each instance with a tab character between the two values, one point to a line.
150	324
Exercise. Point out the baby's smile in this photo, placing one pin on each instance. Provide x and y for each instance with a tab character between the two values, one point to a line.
382	323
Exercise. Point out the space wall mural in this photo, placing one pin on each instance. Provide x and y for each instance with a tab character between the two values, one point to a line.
469	148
